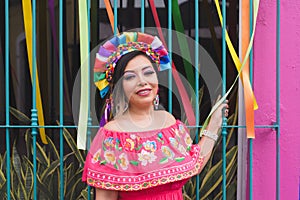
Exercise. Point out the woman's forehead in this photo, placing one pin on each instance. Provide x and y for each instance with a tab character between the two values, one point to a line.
138	63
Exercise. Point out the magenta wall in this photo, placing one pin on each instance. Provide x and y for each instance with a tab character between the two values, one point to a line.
264	145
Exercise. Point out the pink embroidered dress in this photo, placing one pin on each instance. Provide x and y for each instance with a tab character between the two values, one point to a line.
143	165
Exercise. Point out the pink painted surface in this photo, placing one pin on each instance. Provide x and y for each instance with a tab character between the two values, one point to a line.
264	145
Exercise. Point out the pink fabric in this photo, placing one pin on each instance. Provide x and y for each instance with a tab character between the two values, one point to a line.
147	165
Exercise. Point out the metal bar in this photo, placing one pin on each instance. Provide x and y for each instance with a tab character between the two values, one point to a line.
224	131
278	99
7	98
115	17
197	83
251	78
170	79
142	16
89	88
34	117
61	101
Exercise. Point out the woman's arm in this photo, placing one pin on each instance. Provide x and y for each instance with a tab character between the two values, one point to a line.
207	143
106	194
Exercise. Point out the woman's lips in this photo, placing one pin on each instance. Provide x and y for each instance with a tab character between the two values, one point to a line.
143	92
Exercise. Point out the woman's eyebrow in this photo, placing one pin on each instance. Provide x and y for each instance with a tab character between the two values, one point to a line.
133	71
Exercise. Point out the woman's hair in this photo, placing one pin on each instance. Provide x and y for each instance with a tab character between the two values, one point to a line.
120	102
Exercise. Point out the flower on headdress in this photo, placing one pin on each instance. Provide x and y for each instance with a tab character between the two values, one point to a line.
110	157
167	152
150	145
96	156
112	50
123	161
146	157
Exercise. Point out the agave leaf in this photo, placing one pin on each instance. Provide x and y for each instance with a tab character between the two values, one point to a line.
43	188
16	169
28	178
3	164
72	144
53	148
214	176
2	179
3	191
41	155
75	178
84	194
73	189
19	116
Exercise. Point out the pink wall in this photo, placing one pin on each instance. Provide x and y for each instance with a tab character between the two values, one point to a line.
264	145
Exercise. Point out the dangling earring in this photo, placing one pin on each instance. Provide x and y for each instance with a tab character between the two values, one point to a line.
156	102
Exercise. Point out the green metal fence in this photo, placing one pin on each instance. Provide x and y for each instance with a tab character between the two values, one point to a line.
8	127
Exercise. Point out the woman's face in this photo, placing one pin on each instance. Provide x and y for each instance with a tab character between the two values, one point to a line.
140	81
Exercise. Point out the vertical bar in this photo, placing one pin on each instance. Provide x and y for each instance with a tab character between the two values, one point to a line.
7	98
278	99
61	102
170	80
116	17
34	117
89	85
142	16
224	132
251	78
197	83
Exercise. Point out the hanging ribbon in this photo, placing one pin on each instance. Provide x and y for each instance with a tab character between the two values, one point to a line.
27	16
84	70
110	14
183	45
184	96
250	101
249	95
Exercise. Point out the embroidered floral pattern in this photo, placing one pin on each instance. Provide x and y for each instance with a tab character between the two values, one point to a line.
129	144
167	152
174	142
109	142
123	161
146	157
150	145
110	157
96	156
188	140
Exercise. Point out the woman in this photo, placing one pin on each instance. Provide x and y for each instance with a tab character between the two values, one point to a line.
142	152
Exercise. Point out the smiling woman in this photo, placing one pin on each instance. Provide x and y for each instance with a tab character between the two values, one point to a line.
141	152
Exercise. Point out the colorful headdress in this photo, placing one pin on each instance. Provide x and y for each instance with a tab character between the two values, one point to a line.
112	50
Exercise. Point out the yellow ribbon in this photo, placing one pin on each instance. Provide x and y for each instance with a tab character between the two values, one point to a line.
28	33
250	102
84	51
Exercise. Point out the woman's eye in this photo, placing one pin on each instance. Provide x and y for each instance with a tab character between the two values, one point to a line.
149	72
128	77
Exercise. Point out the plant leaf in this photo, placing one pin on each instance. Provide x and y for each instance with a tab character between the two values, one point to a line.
19	116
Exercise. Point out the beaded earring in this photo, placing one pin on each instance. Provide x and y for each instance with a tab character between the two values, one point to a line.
156	102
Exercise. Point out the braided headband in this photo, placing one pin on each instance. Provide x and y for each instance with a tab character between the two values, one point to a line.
112	50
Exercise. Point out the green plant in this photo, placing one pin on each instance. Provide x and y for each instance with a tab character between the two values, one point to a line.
47	171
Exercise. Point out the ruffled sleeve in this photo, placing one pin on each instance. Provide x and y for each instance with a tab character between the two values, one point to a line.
140	160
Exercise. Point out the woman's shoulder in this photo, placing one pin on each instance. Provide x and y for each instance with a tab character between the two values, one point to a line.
167	117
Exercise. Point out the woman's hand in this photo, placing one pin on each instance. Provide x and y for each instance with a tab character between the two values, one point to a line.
217	117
